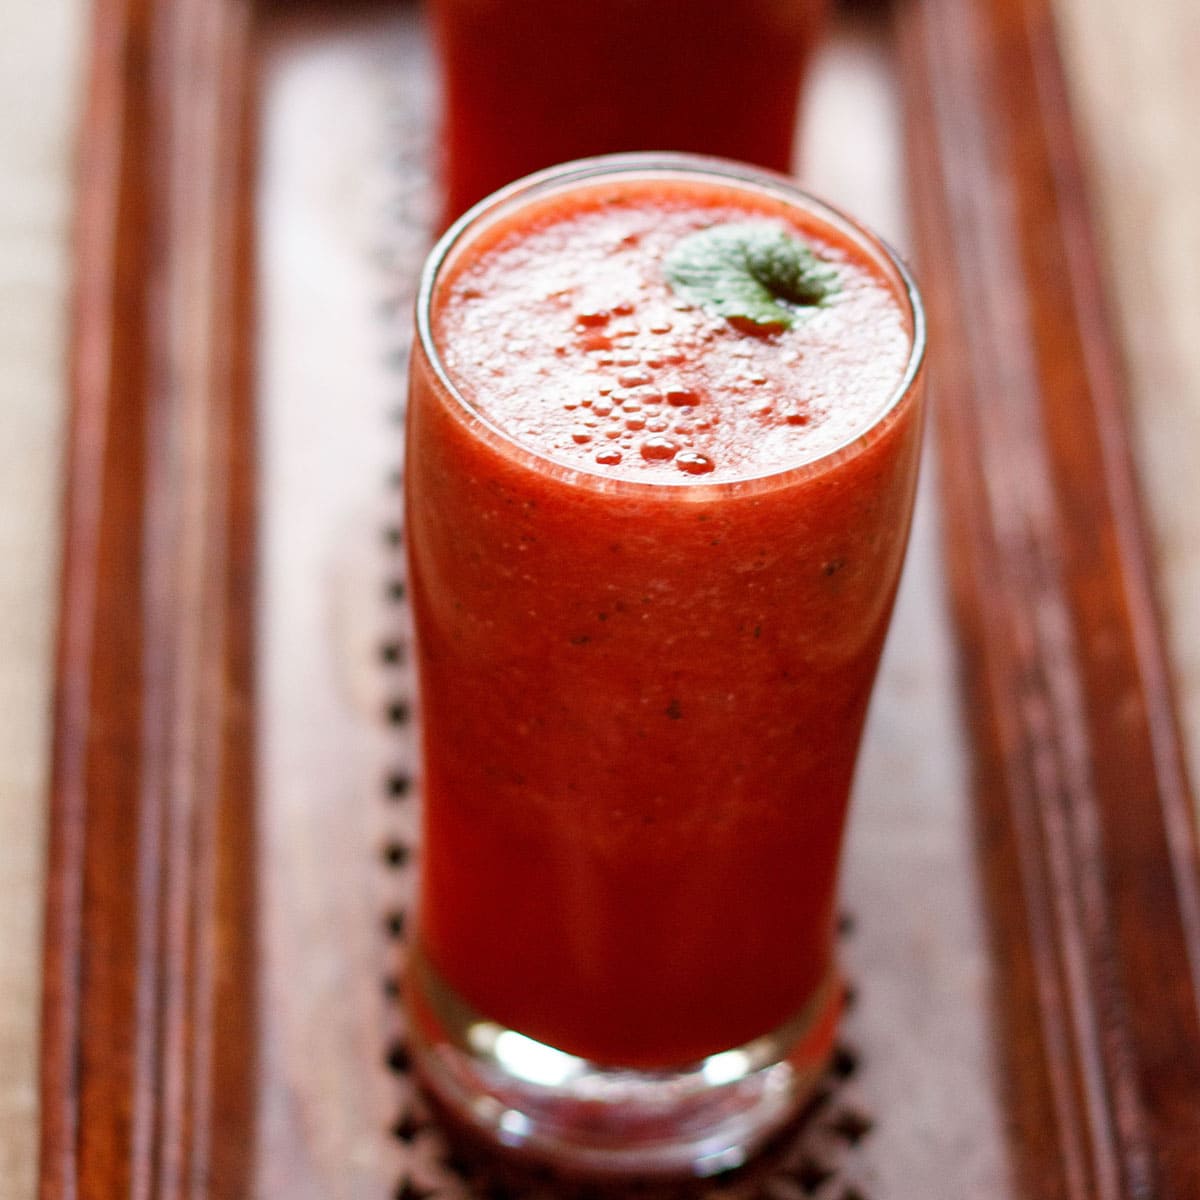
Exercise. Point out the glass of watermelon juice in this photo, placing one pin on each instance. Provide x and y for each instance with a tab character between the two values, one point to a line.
664	428
529	83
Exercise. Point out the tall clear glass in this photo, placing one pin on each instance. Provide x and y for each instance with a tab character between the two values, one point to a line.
641	707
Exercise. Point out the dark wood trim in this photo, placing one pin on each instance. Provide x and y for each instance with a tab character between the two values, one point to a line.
147	1059
1084	809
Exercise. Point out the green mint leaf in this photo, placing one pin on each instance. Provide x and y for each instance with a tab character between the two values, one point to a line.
753	274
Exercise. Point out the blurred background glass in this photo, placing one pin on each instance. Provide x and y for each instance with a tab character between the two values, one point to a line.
530	83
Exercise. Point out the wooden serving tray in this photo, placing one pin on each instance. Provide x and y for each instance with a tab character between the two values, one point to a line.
232	807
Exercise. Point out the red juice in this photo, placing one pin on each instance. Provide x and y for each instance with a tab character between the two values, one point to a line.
653	553
530	83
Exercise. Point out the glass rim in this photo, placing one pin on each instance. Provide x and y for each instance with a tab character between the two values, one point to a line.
652	164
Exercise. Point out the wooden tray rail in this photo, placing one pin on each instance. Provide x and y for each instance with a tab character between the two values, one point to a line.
1085	815
147	1051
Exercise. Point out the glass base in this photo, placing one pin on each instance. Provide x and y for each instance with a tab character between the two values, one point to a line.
527	1097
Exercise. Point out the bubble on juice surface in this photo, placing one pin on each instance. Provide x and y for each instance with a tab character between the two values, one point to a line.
658	449
681	397
608	457
592	317
580	435
693	462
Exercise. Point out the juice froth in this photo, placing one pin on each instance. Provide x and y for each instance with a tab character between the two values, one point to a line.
567	335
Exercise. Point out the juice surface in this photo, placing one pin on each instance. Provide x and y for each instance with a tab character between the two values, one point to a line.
643	684
567	335
529	83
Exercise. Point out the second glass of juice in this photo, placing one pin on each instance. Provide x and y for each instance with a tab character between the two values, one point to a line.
530	83
655	523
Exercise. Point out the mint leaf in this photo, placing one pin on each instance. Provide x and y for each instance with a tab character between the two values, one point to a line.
753	274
